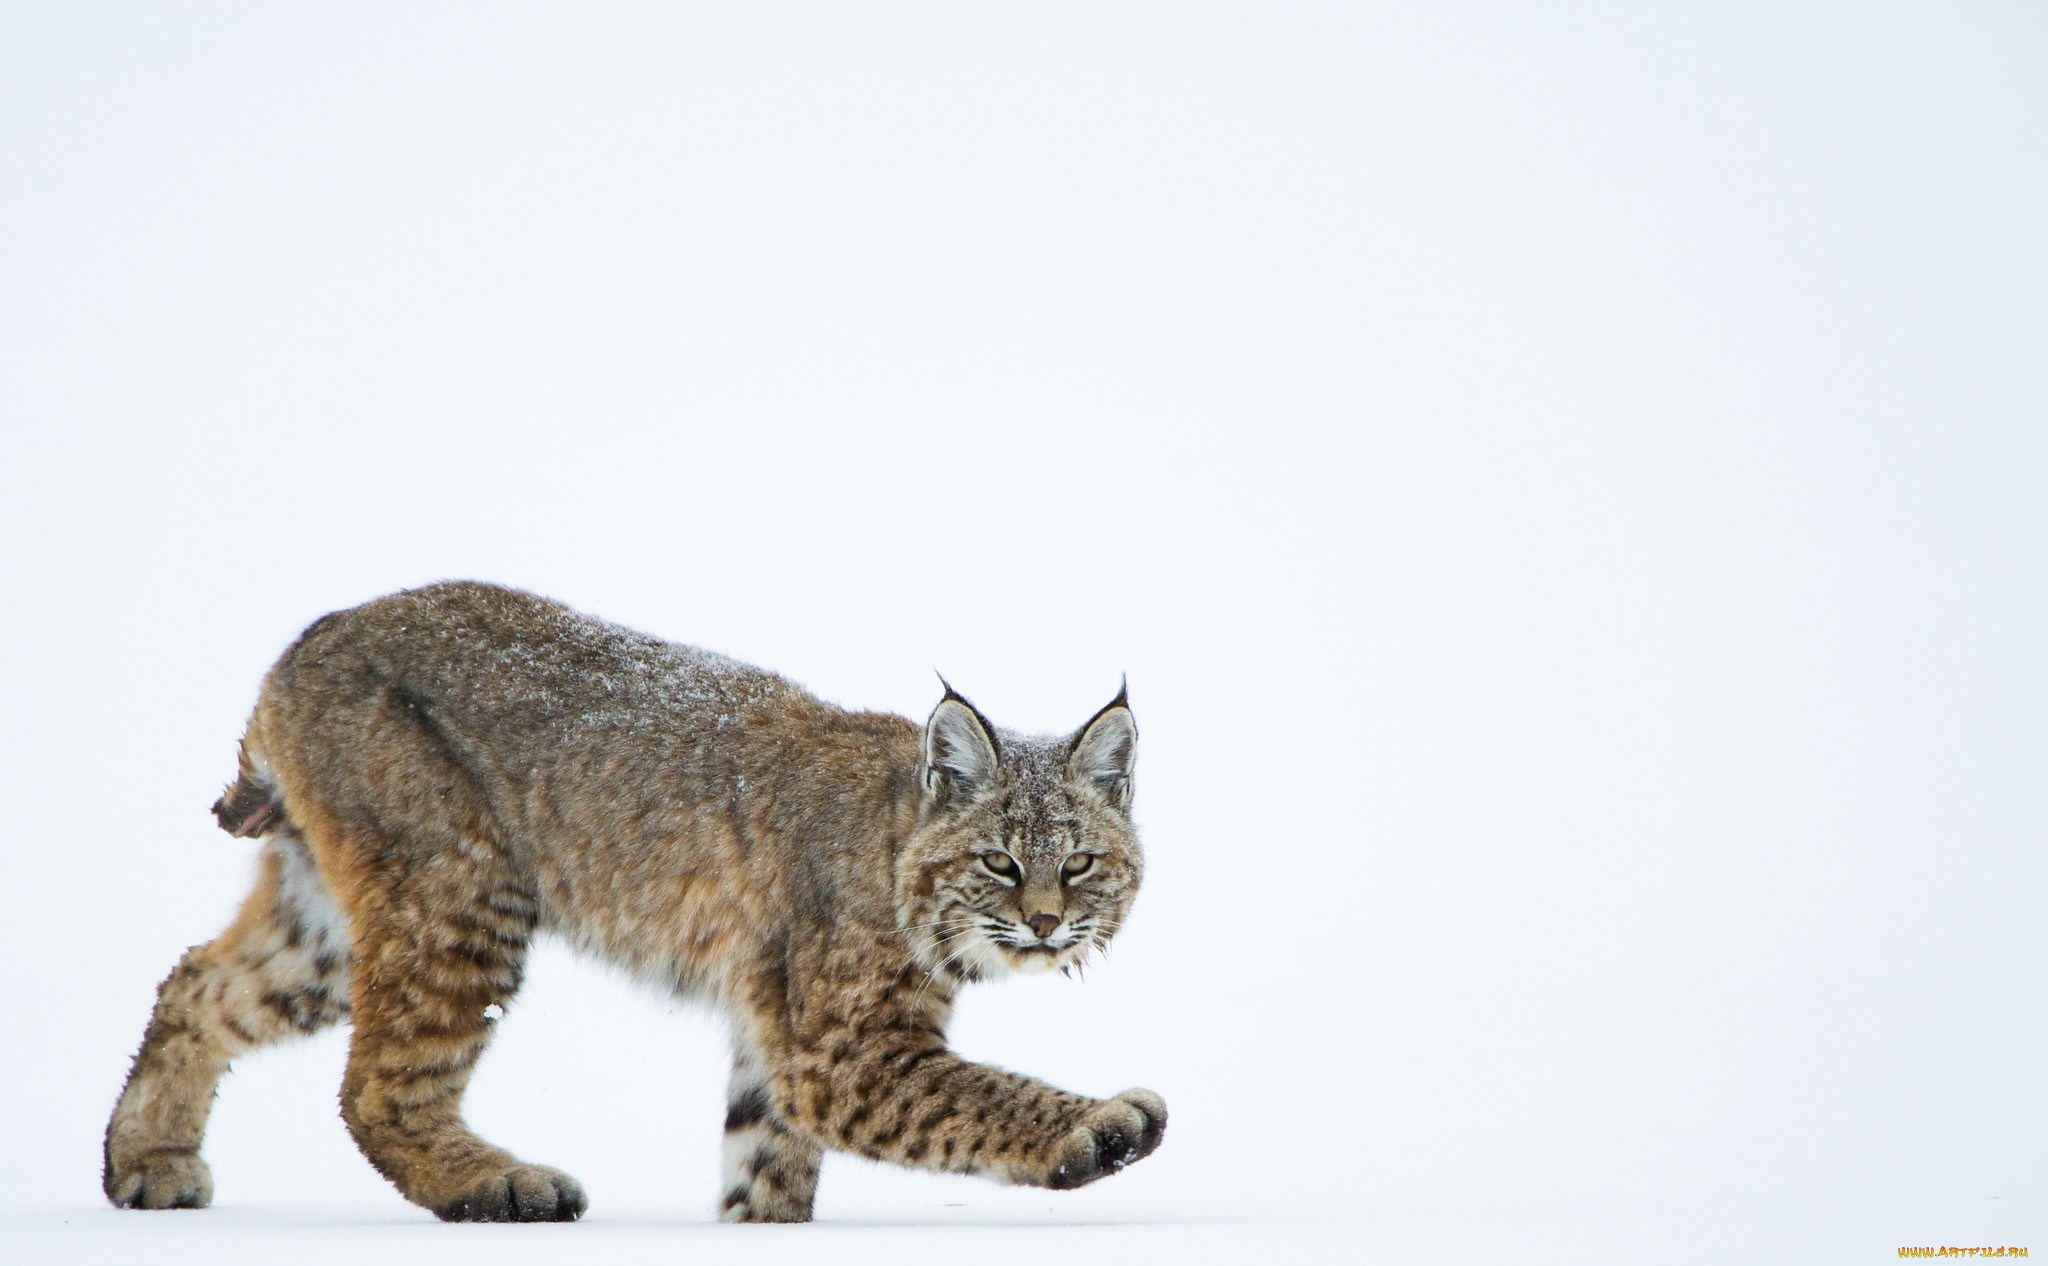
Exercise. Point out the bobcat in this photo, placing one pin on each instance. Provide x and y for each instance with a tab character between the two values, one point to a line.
440	774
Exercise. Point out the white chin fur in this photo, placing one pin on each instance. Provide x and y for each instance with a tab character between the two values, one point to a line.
1032	964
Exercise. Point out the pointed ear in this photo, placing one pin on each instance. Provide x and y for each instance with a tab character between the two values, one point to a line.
959	747
1104	752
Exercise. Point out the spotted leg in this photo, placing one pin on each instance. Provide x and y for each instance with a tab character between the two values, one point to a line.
771	1173
281	969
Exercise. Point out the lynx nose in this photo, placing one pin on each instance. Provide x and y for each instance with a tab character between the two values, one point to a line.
1043	924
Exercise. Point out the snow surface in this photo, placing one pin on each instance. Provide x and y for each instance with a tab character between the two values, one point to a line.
1565	484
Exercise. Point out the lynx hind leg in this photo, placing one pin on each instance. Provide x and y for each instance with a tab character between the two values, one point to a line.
436	953
771	1173
281	969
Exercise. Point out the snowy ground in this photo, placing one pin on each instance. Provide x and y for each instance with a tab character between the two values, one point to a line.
312	1233
1565	483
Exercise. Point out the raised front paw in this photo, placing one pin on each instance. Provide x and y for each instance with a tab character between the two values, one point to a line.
523	1193
170	1179
1111	1135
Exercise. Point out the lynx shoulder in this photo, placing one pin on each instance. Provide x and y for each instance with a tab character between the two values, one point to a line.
438	775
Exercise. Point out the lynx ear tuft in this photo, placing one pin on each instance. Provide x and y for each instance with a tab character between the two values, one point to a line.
1105	751
959	746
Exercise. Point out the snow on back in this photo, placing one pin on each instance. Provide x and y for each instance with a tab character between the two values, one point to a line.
572	672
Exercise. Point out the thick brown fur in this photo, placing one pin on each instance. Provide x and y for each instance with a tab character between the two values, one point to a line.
441	774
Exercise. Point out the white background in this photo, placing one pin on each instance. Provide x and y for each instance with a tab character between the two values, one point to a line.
1565	483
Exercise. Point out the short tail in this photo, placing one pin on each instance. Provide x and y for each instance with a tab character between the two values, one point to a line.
248	807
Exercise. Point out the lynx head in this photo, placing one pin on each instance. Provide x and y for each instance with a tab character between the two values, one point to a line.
1024	858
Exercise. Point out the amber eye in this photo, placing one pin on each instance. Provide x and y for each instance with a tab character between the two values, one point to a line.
1077	865
1001	863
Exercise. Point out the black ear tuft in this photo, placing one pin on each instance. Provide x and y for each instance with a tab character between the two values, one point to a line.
1105	751
960	749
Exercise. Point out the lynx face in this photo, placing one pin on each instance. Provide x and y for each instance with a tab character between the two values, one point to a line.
1025	858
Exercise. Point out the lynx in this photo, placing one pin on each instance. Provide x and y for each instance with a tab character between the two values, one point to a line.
441	774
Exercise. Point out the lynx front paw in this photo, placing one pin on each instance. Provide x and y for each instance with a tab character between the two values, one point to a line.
170	1179
524	1193
1111	1135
